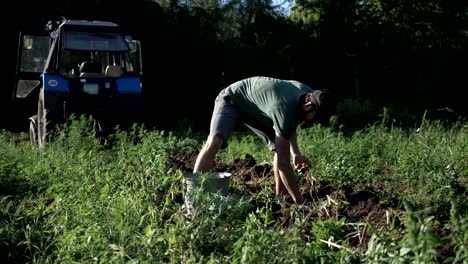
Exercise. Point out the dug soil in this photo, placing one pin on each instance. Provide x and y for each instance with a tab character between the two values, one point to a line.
323	200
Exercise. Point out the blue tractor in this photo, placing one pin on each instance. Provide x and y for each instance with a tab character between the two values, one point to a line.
83	67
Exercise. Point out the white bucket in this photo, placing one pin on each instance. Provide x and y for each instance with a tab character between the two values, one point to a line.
215	182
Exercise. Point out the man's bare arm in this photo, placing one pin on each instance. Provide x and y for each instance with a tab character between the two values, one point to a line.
301	163
285	170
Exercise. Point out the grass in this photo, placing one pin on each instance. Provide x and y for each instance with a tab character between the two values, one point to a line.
77	201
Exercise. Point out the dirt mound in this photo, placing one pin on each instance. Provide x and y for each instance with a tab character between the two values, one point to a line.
322	199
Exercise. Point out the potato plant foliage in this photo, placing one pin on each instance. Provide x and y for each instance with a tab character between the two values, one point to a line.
380	194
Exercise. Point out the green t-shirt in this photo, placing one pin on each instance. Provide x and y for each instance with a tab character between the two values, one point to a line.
269	104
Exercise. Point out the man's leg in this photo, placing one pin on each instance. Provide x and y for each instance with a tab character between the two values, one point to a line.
280	188
223	121
205	160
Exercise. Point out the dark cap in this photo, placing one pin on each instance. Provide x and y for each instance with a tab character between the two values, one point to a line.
325	102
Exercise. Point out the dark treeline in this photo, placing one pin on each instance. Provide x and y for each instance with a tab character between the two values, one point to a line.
409	52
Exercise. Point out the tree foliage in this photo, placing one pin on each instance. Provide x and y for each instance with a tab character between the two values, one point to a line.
415	23
199	46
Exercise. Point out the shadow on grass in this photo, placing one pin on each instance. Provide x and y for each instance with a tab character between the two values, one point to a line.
14	191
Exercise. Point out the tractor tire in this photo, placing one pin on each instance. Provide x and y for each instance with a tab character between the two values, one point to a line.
41	120
33	129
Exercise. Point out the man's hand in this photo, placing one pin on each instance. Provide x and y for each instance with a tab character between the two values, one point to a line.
301	163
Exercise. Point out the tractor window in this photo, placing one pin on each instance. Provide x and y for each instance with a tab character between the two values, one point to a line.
136	56
34	53
94	41
71	59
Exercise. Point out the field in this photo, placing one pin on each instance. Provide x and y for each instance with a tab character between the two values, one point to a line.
379	194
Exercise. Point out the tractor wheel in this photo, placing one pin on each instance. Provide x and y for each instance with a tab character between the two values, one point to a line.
41	120
100	131
33	129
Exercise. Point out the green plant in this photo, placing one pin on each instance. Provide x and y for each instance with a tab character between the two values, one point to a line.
78	200
458	227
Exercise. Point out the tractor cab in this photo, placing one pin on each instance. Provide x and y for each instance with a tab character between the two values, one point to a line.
83	67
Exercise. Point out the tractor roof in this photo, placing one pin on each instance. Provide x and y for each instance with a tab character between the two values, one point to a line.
93	25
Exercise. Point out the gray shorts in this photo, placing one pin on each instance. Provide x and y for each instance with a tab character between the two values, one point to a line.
226	116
